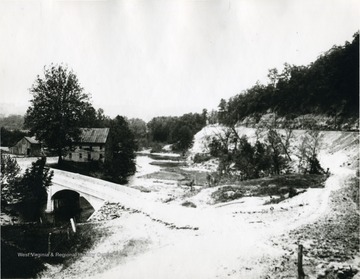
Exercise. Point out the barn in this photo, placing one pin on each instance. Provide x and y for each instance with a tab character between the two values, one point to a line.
91	147
27	146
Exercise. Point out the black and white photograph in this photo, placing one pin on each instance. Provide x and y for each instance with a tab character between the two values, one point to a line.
182	139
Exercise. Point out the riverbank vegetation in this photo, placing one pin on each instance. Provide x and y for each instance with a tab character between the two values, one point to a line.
273	152
277	188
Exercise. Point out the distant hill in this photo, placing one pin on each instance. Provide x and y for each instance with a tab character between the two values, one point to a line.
328	87
12	122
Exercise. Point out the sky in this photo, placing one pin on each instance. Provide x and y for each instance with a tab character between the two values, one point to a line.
147	58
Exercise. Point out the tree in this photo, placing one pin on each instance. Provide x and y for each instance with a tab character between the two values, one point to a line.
9	178
244	159
185	139
274	142
213	117
160	128
139	130
222	112
119	161
30	187
223	146
102	120
10	138
308	151
58	109
34	184
12	122
329	85
204	115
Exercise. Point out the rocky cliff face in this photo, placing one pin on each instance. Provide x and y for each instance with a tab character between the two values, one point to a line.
321	122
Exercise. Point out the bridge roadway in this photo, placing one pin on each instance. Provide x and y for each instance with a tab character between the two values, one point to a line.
97	191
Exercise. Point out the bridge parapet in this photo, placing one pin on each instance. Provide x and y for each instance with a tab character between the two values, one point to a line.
95	191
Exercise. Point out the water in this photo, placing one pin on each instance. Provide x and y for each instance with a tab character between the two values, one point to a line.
151	163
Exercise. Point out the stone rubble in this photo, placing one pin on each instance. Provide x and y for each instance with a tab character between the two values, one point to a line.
113	210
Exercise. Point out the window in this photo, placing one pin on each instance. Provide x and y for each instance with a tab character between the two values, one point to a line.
70	155
101	147
89	156
80	147
101	156
90	147
80	155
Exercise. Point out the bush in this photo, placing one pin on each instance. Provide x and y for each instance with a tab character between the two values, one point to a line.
188	204
227	193
314	166
199	158
156	147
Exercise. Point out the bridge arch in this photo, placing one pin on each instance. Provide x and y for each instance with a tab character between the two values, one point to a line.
66	203
69	200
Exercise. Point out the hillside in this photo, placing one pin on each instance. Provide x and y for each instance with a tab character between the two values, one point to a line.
345	144
328	87
12	122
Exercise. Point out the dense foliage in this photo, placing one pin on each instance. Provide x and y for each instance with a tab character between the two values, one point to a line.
119	161
35	182
139	130
10	137
30	187
59	108
12	122
178	131
269	155
10	178
328	86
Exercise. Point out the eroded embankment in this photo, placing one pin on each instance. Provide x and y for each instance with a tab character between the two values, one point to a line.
331	243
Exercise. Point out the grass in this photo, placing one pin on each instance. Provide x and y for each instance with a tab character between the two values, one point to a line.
188	204
227	193
354	191
10	262
280	185
33	238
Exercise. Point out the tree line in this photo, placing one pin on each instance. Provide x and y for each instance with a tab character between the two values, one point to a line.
178	131
328	86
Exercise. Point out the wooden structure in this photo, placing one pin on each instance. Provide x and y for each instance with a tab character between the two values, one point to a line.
91	147
27	146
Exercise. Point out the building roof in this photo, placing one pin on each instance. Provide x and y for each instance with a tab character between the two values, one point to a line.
32	140
94	135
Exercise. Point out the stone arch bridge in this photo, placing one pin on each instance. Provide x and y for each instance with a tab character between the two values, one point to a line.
94	191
